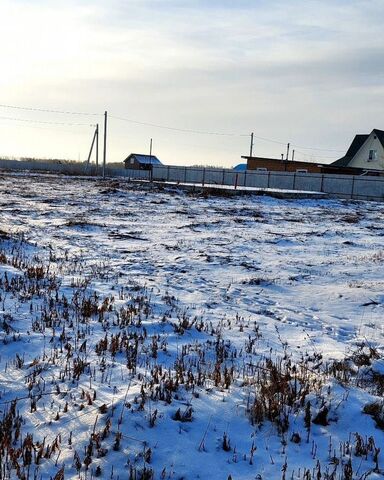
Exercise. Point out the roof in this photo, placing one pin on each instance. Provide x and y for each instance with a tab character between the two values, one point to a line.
355	146
380	135
144	159
352	150
241	167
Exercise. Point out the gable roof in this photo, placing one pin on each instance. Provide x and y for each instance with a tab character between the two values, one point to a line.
144	159
380	135
355	146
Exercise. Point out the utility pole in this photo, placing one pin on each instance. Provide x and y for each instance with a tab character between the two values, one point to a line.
105	143
293	154
97	149
251	149
91	149
287	151
150	162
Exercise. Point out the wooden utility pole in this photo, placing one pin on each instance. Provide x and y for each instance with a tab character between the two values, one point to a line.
293	154
150	162
287	151
97	149
251	149
91	149
105	143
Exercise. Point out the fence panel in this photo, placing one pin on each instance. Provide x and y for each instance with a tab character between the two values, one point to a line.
230	177
281	180
129	173
194	175
68	168
177	174
308	182
257	179
241	179
214	176
368	187
340	185
159	172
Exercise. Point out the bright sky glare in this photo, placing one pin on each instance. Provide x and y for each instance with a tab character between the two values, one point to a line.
309	72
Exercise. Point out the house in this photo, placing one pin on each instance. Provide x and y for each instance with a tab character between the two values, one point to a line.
365	156
366	152
139	161
263	164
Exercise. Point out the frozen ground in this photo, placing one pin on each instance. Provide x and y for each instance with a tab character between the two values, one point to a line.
153	334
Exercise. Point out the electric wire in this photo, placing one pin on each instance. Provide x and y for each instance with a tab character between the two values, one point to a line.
184	130
33	109
227	134
150	124
15	119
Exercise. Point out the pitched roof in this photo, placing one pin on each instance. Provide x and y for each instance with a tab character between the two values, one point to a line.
380	135
341	162
352	150
144	159
357	143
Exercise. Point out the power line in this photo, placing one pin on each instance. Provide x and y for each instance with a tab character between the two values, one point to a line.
52	129
45	122
269	140
297	146
48	110
185	130
201	132
308	154
320	149
149	124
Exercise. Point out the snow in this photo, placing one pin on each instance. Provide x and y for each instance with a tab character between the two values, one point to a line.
204	285
240	188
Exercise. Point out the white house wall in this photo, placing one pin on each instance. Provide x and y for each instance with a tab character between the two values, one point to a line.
361	159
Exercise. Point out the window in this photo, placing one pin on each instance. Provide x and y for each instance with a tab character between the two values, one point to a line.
301	170
372	155
132	161
261	169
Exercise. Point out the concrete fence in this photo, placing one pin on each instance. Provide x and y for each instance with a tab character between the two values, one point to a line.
342	186
72	169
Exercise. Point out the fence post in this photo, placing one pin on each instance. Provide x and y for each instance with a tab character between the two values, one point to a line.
236	180
322	182
294	182
268	181
353	186
185	175
245	178
203	180
168	174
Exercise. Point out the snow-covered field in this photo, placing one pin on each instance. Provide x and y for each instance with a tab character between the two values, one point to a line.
159	335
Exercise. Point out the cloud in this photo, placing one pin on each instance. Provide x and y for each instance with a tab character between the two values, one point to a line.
306	71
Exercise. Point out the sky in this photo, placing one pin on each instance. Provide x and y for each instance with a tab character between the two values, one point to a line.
195	76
